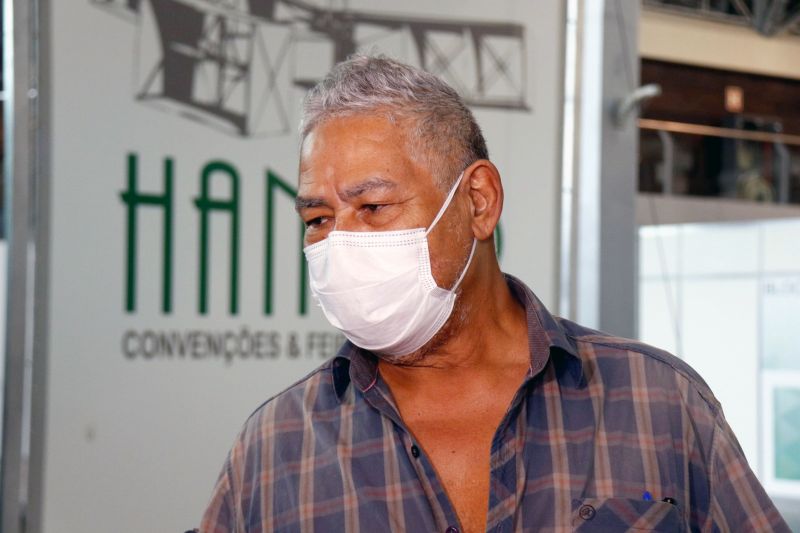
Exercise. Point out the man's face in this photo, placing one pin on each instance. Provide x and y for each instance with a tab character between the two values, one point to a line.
356	174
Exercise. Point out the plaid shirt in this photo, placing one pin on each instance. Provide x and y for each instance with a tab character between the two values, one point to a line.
605	434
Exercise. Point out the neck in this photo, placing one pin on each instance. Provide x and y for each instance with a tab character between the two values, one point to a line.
487	334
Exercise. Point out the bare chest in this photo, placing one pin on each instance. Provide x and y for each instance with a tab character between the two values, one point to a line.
460	453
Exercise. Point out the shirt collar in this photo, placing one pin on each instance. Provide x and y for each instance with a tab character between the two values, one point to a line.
546	339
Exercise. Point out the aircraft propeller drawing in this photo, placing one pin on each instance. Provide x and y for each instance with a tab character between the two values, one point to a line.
242	65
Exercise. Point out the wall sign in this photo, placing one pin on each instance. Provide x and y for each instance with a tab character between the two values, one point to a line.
178	297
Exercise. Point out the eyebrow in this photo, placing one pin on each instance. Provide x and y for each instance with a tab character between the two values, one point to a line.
354	191
304	202
367	185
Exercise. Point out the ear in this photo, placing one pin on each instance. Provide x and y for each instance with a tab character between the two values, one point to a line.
486	197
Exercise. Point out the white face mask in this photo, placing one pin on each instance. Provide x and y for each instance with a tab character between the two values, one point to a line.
377	287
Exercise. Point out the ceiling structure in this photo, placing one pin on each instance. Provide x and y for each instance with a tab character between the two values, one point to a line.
767	17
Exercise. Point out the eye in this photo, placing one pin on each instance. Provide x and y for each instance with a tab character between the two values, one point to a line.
315	222
372	208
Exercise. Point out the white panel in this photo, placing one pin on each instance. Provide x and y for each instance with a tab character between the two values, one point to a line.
738	302
781	246
719	249
720	341
659	314
659	251
781	313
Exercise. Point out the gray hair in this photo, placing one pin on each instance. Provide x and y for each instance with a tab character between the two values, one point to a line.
442	132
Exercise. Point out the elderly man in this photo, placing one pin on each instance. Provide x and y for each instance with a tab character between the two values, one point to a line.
459	403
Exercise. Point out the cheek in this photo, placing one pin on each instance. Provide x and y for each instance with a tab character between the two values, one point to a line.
448	250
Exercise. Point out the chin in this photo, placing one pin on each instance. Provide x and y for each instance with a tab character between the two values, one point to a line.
428	354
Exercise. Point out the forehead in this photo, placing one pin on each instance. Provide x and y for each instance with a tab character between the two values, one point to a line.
342	153
353	137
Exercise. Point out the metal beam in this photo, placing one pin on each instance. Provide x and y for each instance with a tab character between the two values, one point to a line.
742	8
768	17
791	19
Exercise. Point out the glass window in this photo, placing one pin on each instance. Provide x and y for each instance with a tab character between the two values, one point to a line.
726	298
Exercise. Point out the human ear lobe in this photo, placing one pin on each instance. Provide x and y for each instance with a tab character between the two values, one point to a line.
486	197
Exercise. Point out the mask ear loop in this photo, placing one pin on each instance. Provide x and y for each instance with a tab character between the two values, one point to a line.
469	262
446	203
441	213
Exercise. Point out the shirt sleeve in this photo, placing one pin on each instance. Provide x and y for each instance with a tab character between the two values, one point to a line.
738	501
220	515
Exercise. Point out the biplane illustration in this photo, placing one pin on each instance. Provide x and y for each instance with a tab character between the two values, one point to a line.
242	65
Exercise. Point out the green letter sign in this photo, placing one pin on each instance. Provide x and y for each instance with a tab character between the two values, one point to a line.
206	204
133	199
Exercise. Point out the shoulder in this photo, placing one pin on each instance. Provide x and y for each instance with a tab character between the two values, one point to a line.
277	428
622	362
312	394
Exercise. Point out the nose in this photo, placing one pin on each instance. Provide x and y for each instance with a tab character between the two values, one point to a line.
346	220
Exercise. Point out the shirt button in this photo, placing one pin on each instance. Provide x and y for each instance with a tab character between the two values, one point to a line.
451	529
586	512
415	453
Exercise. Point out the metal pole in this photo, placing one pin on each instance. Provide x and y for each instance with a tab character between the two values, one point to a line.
39	342
667	161
619	237
783	174
569	151
585	293
604	261
21	94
